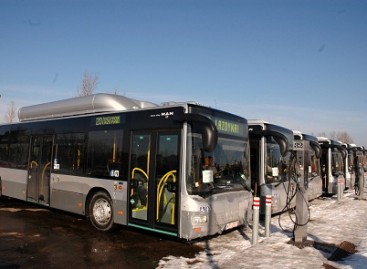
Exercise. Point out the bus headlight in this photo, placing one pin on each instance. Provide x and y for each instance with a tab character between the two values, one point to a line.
199	219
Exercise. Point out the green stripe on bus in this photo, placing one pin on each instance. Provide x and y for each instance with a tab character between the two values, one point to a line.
151	229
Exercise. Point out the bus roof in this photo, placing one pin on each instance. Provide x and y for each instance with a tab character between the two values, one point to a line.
96	103
302	136
327	142
264	127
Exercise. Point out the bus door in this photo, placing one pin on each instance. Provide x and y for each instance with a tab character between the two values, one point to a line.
154	160
38	186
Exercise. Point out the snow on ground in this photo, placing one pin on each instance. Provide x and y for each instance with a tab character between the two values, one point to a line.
331	222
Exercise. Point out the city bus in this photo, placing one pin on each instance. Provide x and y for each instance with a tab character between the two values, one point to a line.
271	149
311	166
349	166
332	165
355	165
121	161
364	166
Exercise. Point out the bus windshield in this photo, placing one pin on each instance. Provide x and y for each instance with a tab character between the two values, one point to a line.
225	169
313	164
337	163
350	161
276	164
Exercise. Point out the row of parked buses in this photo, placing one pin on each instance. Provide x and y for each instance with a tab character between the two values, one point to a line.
180	169
327	165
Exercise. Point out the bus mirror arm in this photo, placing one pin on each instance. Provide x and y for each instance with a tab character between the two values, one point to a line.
283	144
317	148
205	127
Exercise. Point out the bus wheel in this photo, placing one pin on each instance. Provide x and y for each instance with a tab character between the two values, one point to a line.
101	211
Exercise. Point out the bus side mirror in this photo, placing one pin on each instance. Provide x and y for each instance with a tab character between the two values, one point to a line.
209	134
343	152
205	127
317	148
318	152
283	144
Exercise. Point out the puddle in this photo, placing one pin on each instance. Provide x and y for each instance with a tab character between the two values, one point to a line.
53	239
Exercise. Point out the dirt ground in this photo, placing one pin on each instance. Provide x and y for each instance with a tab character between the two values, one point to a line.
36	237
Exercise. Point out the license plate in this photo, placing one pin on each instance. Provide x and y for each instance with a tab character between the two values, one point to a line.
231	225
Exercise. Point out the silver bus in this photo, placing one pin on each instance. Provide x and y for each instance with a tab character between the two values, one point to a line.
332	165
349	166
312	172
355	163
180	169
271	148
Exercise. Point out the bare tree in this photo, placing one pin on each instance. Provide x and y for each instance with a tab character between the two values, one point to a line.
89	84
340	136
332	135
11	113
344	137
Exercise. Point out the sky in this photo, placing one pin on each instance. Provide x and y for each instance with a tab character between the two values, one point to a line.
331	222
300	64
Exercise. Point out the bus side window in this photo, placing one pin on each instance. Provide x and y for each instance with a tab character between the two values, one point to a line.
18	152
104	153
68	157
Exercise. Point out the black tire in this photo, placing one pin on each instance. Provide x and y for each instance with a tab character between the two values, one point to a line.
101	211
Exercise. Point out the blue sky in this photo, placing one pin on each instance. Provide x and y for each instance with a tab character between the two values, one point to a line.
298	64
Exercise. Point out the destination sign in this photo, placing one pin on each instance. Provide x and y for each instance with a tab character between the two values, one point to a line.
229	127
108	120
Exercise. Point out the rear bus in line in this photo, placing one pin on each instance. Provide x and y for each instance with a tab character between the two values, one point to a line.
311	169
354	164
349	166
332	165
356	167
271	148
364	165
121	161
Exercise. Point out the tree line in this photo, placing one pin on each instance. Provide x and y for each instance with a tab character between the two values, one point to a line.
89	85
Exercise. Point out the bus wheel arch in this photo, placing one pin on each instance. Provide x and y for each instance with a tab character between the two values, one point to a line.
99	209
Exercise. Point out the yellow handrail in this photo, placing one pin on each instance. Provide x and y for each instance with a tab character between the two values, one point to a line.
43	175
140	170
160	189
132	176
33	162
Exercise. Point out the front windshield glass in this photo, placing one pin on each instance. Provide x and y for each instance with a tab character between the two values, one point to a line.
351	161
364	161
275	164
337	164
359	161
313	164
224	169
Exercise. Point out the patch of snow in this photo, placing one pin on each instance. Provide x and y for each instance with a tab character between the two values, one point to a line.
331	222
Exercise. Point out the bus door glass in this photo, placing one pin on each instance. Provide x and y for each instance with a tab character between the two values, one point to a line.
38	187
337	163
153	179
